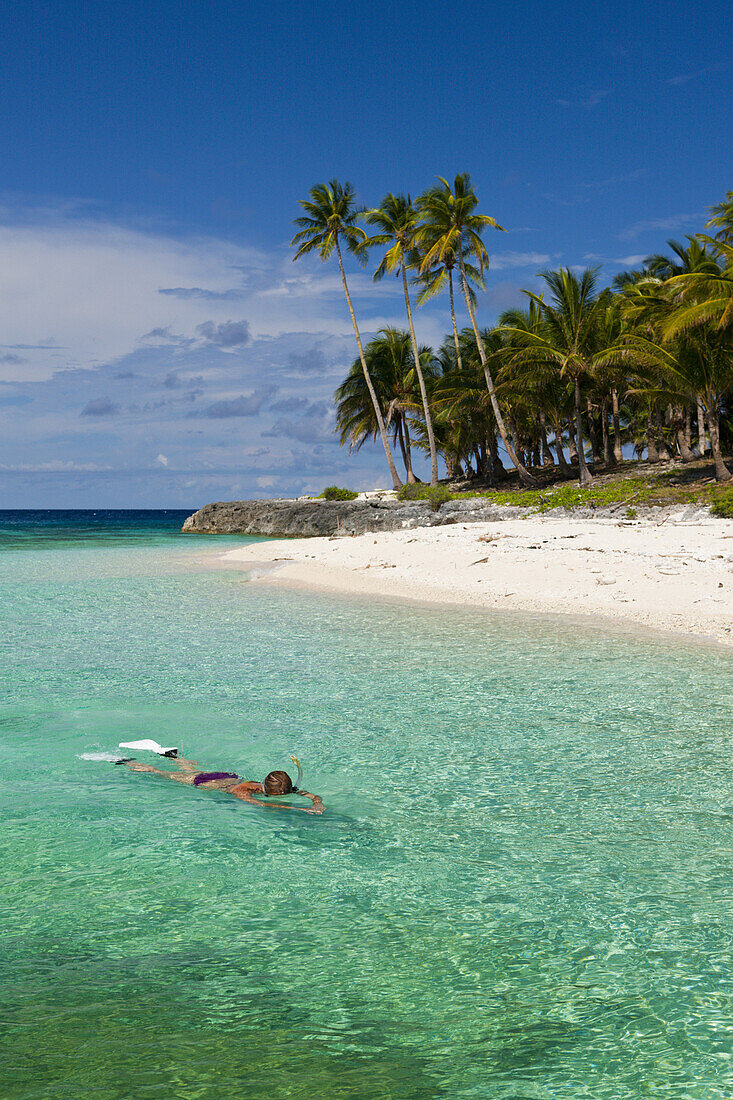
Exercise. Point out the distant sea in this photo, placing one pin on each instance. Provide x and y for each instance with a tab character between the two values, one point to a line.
521	886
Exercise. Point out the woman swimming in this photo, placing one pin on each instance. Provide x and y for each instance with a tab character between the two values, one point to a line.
275	783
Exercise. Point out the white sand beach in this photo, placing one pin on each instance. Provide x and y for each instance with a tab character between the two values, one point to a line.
667	574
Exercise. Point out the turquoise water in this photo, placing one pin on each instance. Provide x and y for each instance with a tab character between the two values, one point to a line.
522	886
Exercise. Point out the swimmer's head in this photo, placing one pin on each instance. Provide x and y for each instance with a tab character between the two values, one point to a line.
278	783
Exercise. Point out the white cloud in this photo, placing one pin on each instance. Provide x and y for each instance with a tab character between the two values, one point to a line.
79	294
676	221
502	260
114	337
226	334
55	466
620	261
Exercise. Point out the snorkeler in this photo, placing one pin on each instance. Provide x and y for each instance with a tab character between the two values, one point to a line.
275	783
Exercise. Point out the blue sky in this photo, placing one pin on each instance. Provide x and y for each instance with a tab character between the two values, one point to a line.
157	346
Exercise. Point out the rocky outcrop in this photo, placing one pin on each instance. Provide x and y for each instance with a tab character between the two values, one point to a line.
306	517
302	518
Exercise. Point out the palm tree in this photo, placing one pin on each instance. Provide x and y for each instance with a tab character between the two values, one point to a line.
330	217
462	399
681	371
452	426
705	297
694	257
536	380
609	378
568	339
642	305
671	357
450	227
722	219
434	279
397	220
625	279
698	258
392	370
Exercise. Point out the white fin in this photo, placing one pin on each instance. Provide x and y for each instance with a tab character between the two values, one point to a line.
147	746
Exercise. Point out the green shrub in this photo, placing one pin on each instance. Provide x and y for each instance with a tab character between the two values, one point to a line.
631	513
435	495
332	492
721	503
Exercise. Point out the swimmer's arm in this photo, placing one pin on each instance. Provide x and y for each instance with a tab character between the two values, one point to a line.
246	791
317	807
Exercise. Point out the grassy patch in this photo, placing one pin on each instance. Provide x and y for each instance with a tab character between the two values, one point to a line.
657	490
332	492
435	495
721	502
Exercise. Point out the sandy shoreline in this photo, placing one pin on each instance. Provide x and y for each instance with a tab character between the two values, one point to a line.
672	575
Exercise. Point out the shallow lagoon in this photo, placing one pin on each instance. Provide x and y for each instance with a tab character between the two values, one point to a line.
522	887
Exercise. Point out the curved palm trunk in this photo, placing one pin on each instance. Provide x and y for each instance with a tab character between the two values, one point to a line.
680	431
688	427
651	448
524	476
722	473
396	483
404	441
546	453
608	455
583	471
701	438
617	451
453	319
515	437
572	449
408	447
592	431
662	447
497	469
421	380
565	469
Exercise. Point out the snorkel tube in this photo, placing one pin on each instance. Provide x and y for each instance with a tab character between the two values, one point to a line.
299	776
300	772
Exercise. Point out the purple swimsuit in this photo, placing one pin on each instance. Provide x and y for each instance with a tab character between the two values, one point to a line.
206	777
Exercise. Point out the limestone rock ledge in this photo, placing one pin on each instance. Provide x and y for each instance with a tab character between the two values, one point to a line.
304	518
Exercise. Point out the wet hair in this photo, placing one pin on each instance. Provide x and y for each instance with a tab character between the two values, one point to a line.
278	783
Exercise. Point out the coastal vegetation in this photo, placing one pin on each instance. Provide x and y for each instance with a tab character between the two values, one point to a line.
620	493
435	495
585	381
332	492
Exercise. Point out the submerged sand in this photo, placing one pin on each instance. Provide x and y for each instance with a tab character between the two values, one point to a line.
665	574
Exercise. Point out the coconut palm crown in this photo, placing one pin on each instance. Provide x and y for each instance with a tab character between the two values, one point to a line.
450	226
568	337
397	221
330	217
